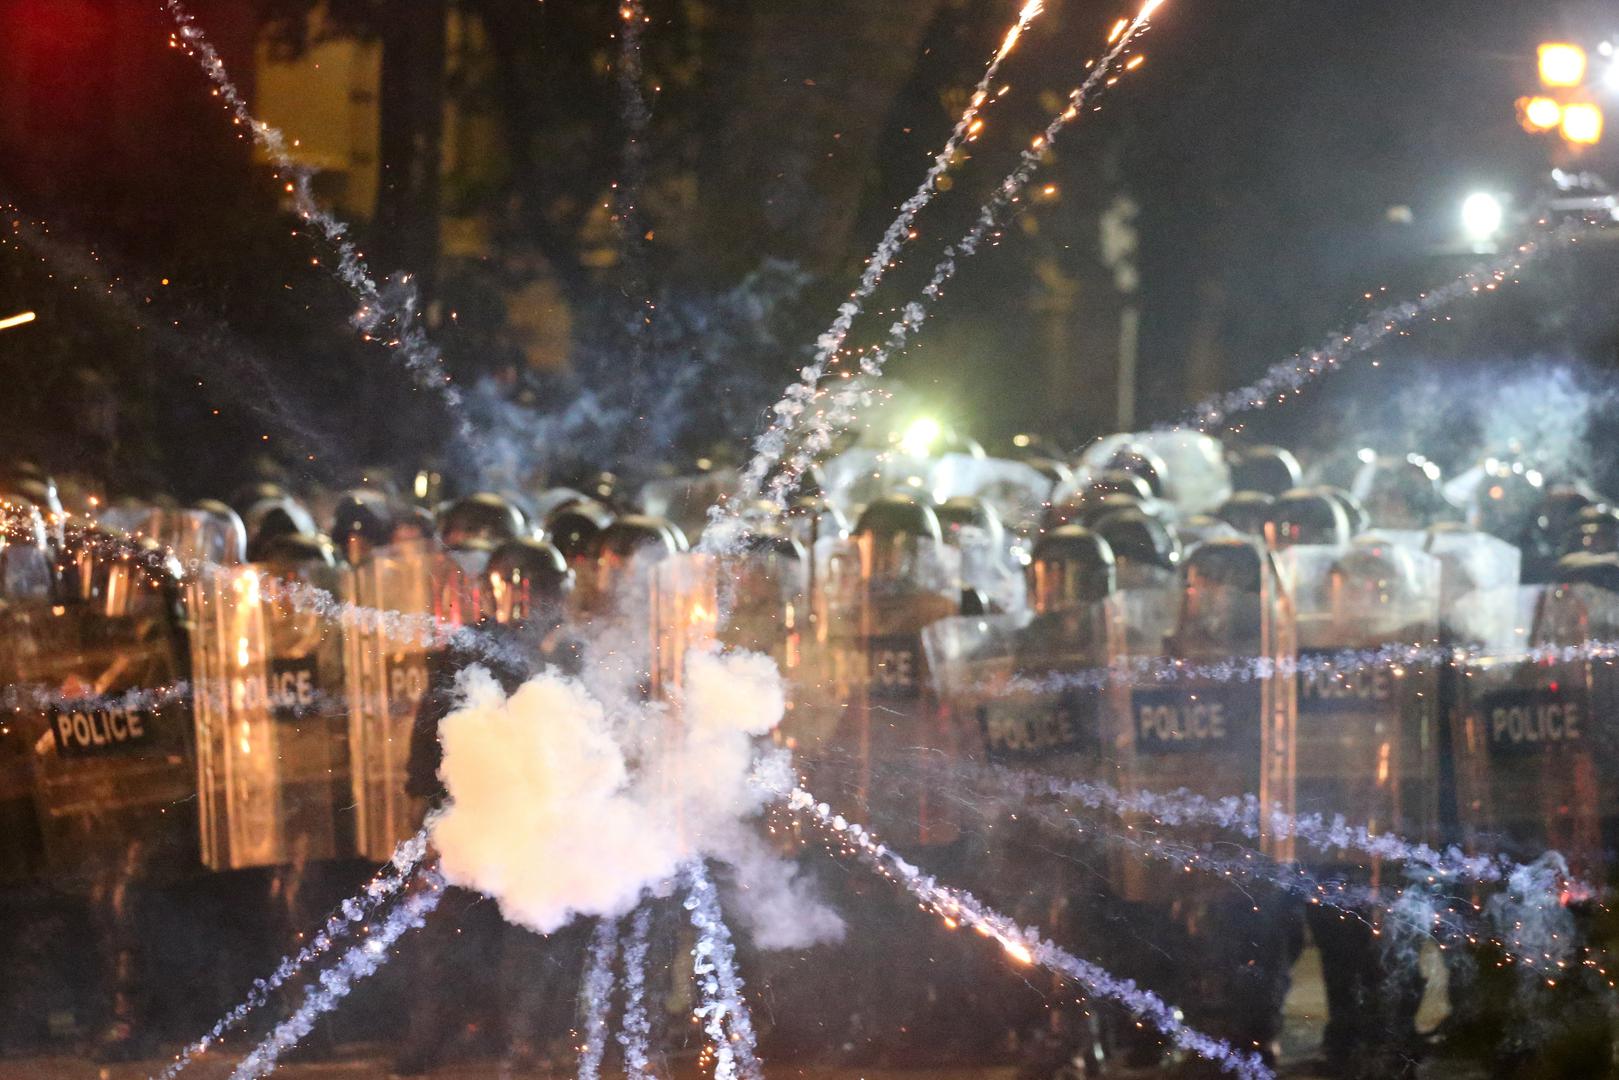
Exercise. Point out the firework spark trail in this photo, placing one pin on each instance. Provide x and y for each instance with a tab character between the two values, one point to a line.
596	999
723	1010
406	858
387	315
822	425
635	1035
1291	376
1025	946
1244	815
359	962
769	447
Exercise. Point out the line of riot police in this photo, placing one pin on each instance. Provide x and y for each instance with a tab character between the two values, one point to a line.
934	617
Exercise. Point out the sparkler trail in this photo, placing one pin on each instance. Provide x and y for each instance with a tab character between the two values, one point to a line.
1291	376
769	447
723	1010
1025	946
822	424
385	314
635	1034
406	858
1244	815
359	962
596	999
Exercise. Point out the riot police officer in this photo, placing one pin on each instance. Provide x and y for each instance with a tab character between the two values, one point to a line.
1247	511
268	519
482	518
1307	516
526	588
1232	948
362	522
1270	470
1144	550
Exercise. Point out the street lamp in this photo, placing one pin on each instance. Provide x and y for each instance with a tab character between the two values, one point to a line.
1582	123
1541	114
1482	215
1561	64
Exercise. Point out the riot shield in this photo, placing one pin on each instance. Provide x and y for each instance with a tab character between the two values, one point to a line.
1217	737
1478	606
386	662
766	589
1366	745
195	536
881	724
273	770
1535	756
21	844
110	729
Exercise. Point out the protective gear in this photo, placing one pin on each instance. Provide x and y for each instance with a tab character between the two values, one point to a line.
231	545
270	518
249	495
1401	492
25	555
272	733
769	594
485	517
968	512
1307	516
1365	750
1359	520
1269	470
1535	773
1144	550
891	532
412	524
1145	463
1248	512
1219	739
1071	567
1595	532
42	493
361	522
528	582
624	549
573	528
294	550
1505	499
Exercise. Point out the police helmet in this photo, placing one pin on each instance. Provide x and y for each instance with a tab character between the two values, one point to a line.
892	529
968	512
288	552
1221	588
484	516
245	497
1401	492
1247	511
1144	463
1595	530
39	490
1136	537
527	579
1599	571
1268	469
412	524
361	522
268	519
574	527
1306	516
1505	499
1071	566
629	537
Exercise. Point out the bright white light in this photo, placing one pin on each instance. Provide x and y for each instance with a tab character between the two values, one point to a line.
1561	64
920	437
1481	216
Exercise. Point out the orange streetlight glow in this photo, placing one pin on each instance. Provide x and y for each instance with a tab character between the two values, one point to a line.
1561	64
1582	124
1541	114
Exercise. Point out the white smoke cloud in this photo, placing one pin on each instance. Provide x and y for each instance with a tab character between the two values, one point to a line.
559	809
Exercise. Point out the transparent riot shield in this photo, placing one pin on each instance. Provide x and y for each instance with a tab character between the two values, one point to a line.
273	770
1366	747
1535	754
195	536
1478	614
386	662
684	616
766	590
110	729
875	726
1212	730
